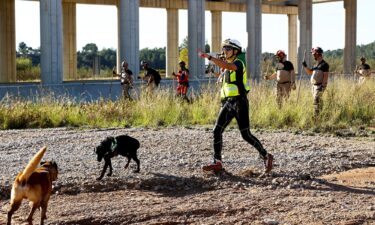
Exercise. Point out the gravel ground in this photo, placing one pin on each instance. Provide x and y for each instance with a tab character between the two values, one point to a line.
172	189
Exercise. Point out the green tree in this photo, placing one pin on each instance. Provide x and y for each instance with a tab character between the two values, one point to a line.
86	57
155	57
184	56
107	58
28	52
184	43
90	51
23	49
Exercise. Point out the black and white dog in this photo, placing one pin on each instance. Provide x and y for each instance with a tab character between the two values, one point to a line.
113	146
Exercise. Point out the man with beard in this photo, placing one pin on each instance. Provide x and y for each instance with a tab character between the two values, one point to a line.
319	78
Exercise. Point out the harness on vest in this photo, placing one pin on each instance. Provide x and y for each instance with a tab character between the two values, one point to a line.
113	145
229	87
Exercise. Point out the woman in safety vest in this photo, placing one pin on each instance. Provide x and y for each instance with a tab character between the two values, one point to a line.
234	103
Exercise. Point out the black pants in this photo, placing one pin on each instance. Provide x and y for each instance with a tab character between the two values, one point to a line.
235	107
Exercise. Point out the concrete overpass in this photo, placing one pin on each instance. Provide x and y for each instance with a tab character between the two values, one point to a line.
58	33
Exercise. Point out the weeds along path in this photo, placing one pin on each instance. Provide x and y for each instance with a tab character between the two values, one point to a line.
304	188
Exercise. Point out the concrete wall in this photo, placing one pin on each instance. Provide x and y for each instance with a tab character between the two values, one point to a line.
92	90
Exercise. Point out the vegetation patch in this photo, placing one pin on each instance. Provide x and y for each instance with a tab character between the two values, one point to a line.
346	106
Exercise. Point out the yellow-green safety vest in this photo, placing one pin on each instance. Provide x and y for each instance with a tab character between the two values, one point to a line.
229	88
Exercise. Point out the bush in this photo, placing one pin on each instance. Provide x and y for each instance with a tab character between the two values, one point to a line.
26	71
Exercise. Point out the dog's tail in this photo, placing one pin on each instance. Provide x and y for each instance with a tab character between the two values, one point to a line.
32	165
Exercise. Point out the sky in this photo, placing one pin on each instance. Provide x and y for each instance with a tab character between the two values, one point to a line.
97	24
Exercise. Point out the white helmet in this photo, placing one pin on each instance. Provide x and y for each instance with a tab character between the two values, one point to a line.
232	43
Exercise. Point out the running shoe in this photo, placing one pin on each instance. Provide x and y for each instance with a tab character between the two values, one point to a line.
268	162
215	166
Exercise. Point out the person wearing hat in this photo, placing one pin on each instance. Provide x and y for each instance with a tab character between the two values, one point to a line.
183	81
126	80
285	77
319	78
235	104
363	70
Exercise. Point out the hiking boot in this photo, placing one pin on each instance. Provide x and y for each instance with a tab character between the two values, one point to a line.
215	166
268	161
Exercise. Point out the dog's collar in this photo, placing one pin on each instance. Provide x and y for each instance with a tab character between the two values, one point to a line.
113	144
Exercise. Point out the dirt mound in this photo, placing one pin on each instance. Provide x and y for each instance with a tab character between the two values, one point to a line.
358	178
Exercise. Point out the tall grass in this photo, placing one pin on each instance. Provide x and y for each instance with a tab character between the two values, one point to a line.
345	105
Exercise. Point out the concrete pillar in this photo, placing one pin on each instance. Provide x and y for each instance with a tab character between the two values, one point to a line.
305	30
7	41
350	35
128	35
51	41
216	19
292	40
254	36
172	41
70	41
196	26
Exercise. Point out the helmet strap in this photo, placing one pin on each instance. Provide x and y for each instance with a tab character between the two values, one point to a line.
231	58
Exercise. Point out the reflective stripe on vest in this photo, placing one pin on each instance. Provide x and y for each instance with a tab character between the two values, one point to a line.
230	89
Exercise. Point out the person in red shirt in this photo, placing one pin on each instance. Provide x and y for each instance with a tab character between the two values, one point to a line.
183	81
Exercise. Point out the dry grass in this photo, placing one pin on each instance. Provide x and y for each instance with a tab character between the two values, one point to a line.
346	105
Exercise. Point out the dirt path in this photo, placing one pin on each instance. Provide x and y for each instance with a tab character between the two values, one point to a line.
318	179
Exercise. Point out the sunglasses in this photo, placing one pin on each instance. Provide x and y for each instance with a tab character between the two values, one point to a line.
227	48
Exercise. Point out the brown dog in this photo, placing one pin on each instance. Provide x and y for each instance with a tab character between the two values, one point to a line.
34	184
